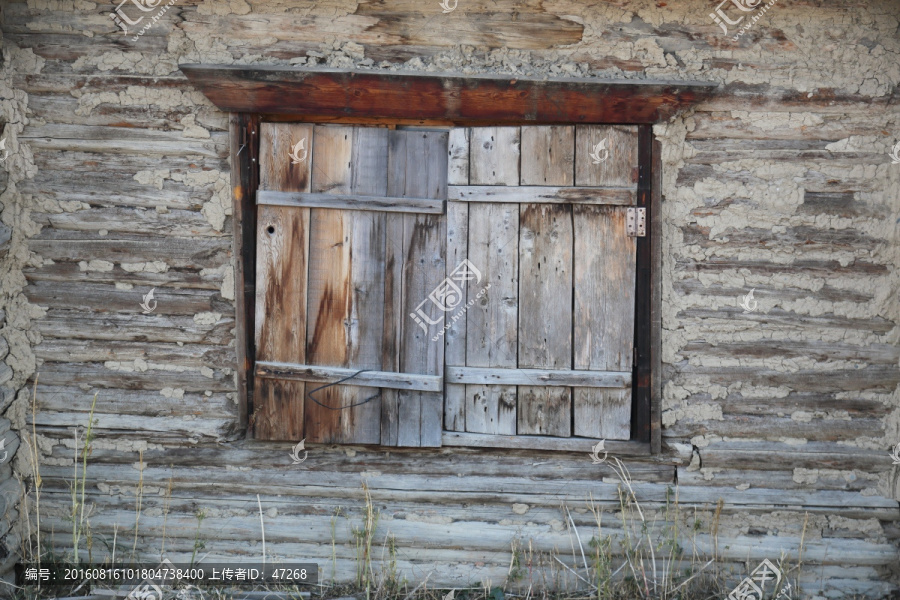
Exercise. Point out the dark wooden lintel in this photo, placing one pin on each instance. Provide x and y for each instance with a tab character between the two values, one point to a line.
469	99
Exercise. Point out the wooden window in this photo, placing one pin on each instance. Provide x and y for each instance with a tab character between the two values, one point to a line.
357	227
547	207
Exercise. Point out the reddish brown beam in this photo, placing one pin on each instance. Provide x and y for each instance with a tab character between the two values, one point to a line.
462	99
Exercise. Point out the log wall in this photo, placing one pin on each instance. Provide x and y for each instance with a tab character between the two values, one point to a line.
118	183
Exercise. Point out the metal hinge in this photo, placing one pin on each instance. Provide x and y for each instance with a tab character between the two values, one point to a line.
636	222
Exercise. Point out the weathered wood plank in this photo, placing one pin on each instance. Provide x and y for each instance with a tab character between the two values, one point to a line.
178	253
368	177
334	336
492	322
606	155
79	325
774	455
818	350
353	202
545	315
175	223
545	262
282	252
455	336
790	319
114	189
395	319
122	140
548	156
774	428
188	429
149	403
424	175
91	297
534	442
540	377
458	157
126	376
172	278
871	378
90	350
270	89
533	194
379	379
494	155
604	284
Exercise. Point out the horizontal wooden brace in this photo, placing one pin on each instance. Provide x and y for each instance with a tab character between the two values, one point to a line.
498	376
541	442
380	379
352	202
537	194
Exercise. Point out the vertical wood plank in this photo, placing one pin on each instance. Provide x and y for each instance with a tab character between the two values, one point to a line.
422	174
494	156
604	317
548	155
244	153
620	165
281	289
457	251
335	297
369	171
458	156
455	336
395	317
545	315
643	350
545	280
492	322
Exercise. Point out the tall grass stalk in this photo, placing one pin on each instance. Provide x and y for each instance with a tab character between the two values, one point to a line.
78	521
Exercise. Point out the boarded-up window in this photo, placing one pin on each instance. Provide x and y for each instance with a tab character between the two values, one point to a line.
502	304
547	349
347	244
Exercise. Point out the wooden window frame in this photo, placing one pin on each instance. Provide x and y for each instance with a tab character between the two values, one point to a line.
255	94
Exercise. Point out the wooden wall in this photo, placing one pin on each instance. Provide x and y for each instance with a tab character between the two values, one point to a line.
781	184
